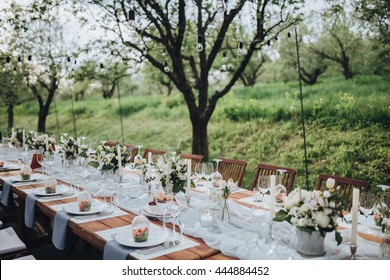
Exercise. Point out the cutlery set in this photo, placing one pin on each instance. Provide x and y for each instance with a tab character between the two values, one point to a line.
165	245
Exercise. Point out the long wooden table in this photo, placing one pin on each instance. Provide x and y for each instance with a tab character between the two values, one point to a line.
87	231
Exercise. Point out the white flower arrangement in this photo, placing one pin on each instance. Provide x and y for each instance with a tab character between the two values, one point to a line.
313	210
71	148
106	158
40	142
168	169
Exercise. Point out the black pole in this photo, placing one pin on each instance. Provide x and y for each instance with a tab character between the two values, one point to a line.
57	122
74	116
120	113
302	112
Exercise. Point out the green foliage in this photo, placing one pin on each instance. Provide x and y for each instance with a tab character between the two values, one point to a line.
132	108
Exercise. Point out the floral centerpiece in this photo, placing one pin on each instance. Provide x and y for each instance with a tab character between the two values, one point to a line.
42	142
71	148
106	158
382	216
168	169
313	211
17	138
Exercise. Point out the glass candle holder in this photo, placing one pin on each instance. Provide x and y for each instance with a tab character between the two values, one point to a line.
140	228
84	200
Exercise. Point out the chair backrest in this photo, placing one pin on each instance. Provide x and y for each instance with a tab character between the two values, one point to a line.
111	143
154	152
133	151
35	161
232	168
266	170
194	159
346	187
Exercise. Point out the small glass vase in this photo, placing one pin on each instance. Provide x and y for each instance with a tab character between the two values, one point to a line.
385	245
225	211
310	244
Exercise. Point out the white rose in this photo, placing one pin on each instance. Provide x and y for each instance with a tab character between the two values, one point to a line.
290	203
302	222
326	194
332	204
330	183
322	219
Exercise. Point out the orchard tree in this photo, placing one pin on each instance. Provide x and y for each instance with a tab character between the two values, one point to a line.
184	39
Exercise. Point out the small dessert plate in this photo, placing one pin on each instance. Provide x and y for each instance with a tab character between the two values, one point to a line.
156	236
73	208
60	189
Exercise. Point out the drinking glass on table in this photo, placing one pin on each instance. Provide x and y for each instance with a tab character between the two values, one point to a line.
164	200
198	172
367	206
263	185
207	170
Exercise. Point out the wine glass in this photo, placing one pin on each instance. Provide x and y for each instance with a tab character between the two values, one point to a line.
216	175
164	200
138	158
49	160
198	171
176	210
367	206
207	170
263	185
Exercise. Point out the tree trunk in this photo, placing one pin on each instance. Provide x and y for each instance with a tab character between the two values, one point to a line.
43	112
200	145
10	111
346	69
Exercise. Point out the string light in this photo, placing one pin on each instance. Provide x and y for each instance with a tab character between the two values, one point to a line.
29	58
221	6
14	72
288	34
199	46
68	59
20	64
145	51
166	68
132	19
7	59
240	49
224	57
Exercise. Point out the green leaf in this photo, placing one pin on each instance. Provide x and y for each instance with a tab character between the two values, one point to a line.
281	216
338	237
94	164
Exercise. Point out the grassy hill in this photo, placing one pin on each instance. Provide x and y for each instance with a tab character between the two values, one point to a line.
347	125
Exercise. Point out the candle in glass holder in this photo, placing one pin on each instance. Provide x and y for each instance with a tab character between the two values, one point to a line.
206	220
355	215
119	161
188	175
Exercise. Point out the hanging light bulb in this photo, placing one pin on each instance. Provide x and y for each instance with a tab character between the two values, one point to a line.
240	49
14	72
29	58
145	51
224	57
20	64
221	6
68	59
199	46
131	19
7	59
101	66
288	34
166	68
276	38
268	43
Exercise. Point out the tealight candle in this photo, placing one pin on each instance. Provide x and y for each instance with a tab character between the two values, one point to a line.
206	220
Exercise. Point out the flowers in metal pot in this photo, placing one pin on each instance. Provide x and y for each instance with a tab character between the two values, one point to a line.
313	210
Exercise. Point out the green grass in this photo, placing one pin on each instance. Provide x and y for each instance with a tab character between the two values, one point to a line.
347	125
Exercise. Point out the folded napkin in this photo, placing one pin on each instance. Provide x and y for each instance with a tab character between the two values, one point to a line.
115	251
29	210
60	229
5	194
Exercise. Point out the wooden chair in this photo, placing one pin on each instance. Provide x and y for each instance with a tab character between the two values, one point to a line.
346	187
10	244
232	168
111	143
266	170
154	152
133	152
194	159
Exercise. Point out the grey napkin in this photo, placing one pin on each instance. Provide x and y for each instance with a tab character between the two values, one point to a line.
60	229
6	193
29	210
115	251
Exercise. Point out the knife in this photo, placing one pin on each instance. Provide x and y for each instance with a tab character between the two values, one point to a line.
23	181
165	245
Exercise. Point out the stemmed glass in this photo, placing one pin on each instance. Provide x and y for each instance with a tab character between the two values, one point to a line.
49	160
207	170
138	158
175	211
367	206
164	201
216	175
263	185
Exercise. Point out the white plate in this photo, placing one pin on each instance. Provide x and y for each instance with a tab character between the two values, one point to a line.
73	208
154	212
60	189
156	236
33	178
